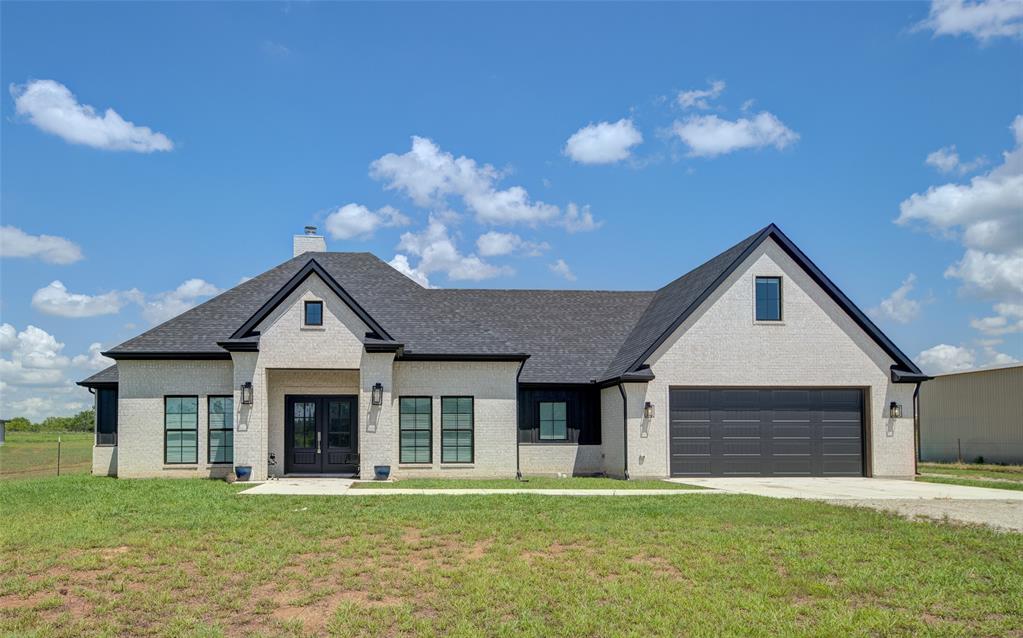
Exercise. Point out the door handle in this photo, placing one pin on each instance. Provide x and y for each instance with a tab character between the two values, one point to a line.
319	449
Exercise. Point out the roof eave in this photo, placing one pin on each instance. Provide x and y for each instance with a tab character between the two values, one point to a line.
905	376
424	356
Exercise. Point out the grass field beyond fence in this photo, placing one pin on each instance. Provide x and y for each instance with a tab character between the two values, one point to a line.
90	556
34	454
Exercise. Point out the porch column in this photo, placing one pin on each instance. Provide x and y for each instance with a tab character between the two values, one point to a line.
250	428
377	433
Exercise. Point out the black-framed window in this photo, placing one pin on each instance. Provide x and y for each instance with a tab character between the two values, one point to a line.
415	425
106	416
180	430
553	421
314	313
220	437
768	294
456	429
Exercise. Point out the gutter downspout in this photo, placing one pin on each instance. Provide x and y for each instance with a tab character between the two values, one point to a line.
916	427
518	467
625	429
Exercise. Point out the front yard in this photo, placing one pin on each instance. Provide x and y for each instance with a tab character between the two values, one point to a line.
94	556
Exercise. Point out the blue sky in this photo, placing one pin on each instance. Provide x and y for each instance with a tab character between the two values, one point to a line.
880	137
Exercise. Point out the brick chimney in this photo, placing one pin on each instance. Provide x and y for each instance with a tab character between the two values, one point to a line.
310	242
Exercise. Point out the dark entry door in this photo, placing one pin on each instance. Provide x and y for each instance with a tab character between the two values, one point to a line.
766	432
320	434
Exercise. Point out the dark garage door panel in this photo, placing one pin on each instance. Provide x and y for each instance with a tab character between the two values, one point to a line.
766	432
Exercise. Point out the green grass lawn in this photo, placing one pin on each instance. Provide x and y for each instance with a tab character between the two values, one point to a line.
998	485
530	483
970	470
89	556
34	454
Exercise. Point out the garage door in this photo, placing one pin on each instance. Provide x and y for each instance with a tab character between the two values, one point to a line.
766	432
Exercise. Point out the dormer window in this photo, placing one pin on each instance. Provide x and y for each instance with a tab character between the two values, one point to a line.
314	313
768	299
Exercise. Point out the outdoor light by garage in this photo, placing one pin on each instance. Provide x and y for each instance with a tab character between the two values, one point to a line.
895	410
648	410
378	393
247	393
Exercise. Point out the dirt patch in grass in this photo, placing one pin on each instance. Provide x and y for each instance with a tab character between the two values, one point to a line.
660	565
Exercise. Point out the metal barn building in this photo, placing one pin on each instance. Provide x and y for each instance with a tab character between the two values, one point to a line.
973	414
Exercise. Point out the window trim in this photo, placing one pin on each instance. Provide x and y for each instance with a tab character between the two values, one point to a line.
165	430
539	424
209	428
472	448
305	312
781	299
430	446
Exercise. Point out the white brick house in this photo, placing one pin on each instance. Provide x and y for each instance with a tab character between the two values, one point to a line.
754	363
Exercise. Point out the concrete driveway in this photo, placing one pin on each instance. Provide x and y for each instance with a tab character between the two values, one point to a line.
1001	509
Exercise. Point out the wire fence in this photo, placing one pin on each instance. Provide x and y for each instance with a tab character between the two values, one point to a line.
40	454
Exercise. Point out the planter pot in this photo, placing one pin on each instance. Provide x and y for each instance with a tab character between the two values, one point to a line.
381	472
243	472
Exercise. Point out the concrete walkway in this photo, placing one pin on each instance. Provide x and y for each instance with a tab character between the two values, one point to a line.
851	488
999	509
342	487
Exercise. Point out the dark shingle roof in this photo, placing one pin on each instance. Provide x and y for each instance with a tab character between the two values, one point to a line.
104	376
570	336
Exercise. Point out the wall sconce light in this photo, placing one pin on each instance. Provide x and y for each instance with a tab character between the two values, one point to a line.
378	393
895	410
247	393
648	410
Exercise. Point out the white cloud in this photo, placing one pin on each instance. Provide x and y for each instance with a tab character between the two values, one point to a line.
562	269
494	244
14	242
438	253
898	306
165	305
33	374
1008	319
983	19
579	219
429	176
402	265
51	107
698	98
8	337
56	300
357	221
603	143
985	215
35	357
710	135
93	360
946	160
946	358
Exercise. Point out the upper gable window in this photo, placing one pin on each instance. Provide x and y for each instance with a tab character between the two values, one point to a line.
314	313
768	294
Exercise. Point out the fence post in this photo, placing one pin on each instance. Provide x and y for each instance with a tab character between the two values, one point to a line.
58	455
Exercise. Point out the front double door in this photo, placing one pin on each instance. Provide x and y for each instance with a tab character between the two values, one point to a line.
321	434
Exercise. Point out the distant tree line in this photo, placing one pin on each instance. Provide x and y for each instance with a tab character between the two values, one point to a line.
84	421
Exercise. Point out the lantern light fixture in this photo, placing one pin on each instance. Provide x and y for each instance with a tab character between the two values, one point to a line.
247	393
895	410
378	393
648	410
